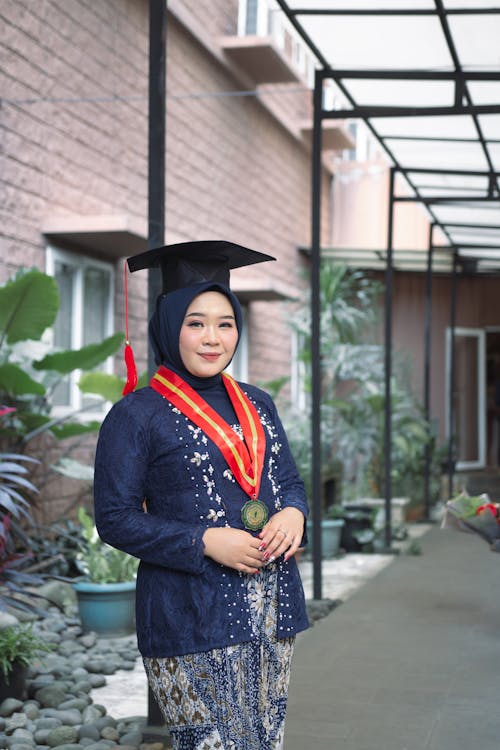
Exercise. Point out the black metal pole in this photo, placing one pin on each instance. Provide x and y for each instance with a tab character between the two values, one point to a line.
156	189
427	375
451	381
156	144
388	366
315	338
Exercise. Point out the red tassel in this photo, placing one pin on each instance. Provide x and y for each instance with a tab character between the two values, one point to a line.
132	379
128	354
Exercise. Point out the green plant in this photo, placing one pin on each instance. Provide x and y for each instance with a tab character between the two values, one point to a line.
19	644
29	370
98	561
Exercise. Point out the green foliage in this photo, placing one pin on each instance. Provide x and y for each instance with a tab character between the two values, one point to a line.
20	644
109	387
100	562
28	305
353	396
85	358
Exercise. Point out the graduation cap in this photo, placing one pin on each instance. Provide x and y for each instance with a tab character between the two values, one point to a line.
188	263
183	265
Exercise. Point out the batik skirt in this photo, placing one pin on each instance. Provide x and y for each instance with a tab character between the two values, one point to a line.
231	698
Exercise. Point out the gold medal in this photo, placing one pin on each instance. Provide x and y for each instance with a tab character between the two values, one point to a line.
254	515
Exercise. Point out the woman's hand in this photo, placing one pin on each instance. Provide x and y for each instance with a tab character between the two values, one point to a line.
282	534
235	548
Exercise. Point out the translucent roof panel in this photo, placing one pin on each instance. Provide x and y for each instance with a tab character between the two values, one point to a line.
402	93
476	42
478	213
439	154
459	126
424	77
447	182
379	41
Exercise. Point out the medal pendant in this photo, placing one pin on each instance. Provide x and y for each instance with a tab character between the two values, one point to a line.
254	515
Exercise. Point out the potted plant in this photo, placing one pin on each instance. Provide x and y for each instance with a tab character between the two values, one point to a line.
18	647
106	591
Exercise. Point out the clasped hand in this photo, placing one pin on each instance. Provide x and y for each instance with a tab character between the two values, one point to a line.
242	551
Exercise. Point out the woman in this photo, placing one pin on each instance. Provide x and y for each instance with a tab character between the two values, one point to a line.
194	477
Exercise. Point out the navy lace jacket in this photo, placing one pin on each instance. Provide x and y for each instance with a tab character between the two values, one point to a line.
186	602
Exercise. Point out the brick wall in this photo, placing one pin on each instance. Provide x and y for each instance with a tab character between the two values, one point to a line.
73	124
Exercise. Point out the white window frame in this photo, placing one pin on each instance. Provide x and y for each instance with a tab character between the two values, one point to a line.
297	375
81	262
479	335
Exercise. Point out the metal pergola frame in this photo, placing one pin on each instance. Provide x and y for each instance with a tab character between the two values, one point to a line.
463	104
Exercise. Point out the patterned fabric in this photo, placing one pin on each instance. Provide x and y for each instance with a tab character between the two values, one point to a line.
230	698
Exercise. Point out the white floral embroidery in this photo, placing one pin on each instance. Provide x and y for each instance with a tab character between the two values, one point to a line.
198	458
275	448
176	410
195	430
228	474
209	483
214	515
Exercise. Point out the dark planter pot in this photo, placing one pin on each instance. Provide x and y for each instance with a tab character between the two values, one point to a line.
16	687
106	608
357	518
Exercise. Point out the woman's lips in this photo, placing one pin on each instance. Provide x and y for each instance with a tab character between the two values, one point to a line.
210	357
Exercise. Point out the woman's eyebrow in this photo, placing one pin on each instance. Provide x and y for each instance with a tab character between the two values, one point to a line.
204	315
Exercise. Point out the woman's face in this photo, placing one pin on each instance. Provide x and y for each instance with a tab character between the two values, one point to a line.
208	335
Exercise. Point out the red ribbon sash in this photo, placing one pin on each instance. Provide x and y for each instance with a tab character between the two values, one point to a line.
244	458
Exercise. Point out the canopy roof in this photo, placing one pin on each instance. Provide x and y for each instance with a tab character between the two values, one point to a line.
424	75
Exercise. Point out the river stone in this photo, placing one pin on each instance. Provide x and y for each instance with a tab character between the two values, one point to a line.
15	721
51	696
54	624
95	665
83	686
90	714
105	721
88	640
7	620
89	731
68	746
10	706
69	716
131	738
31	710
152	746
97	680
69	647
110	733
22	746
48	722
41	735
62	735
79	703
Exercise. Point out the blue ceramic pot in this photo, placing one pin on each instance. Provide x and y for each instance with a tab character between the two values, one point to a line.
331	529
106	608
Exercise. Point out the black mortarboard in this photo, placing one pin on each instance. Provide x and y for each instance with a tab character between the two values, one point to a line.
188	263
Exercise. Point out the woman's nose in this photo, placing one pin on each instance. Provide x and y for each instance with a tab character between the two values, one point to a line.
211	335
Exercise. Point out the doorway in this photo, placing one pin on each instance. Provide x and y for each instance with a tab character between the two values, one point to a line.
493	396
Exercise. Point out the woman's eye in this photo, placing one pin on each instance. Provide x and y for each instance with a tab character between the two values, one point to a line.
226	325
194	324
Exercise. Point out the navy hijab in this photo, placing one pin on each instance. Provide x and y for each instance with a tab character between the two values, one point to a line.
165	327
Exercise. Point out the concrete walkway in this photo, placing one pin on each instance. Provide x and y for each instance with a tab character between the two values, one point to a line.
410	661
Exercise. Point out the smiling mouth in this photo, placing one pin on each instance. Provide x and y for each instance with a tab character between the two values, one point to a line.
210	357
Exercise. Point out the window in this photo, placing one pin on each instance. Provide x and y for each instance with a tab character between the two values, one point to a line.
299	395
85	316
